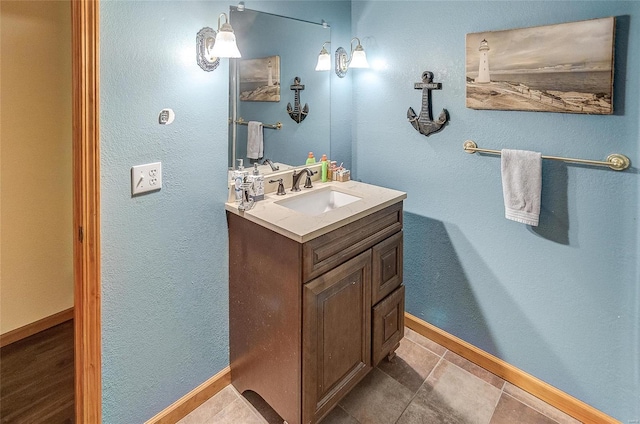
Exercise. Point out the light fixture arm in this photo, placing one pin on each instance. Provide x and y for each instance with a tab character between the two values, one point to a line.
358	47
226	22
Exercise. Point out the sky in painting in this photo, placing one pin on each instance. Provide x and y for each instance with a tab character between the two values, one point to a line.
256	69
584	45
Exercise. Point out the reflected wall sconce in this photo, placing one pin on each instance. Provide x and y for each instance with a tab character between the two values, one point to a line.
358	58
324	59
211	46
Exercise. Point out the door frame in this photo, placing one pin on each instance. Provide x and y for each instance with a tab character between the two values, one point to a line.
86	209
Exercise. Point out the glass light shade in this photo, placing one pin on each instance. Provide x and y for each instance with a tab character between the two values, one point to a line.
324	61
225	45
358	58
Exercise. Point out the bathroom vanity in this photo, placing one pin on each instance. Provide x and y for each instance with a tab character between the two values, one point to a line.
315	298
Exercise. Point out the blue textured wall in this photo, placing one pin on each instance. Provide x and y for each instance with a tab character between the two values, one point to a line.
164	254
561	301
164	260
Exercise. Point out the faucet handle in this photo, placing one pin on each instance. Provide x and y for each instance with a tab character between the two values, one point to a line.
281	190
307	182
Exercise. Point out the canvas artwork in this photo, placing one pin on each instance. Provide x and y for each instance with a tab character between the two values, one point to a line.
556	68
259	79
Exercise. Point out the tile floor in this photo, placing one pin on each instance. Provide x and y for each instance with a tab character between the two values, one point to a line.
425	383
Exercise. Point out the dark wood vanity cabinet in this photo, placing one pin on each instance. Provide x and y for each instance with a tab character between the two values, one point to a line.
309	320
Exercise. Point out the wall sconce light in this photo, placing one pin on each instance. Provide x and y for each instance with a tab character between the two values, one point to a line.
211	48
205	41
324	59
225	45
358	58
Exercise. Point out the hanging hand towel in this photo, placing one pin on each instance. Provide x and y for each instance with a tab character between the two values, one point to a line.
522	185
255	147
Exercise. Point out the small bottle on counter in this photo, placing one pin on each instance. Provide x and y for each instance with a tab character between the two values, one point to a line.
257	188
238	178
325	169
311	159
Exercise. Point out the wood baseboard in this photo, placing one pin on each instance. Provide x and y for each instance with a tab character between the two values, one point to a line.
538	388
35	327
196	397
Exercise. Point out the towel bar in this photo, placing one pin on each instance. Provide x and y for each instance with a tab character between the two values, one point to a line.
276	126
615	161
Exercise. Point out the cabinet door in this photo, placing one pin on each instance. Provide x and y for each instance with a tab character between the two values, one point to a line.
387	267
336	335
388	324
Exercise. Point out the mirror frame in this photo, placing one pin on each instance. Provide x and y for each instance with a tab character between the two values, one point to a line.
85	49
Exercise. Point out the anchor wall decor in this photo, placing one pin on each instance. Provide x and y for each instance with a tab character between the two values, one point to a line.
424	122
296	113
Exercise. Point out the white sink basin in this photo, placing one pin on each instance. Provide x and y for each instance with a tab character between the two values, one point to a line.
318	202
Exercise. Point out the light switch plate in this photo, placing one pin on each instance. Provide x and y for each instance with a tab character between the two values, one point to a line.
146	178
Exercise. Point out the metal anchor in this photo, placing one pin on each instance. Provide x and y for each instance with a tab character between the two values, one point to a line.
296	113
424	122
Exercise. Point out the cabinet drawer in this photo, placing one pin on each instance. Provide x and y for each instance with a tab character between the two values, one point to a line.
388	325
387	267
330	250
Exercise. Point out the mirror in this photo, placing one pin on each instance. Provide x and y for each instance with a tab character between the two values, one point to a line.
296	44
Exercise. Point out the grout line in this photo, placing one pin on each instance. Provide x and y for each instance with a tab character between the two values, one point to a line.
423	383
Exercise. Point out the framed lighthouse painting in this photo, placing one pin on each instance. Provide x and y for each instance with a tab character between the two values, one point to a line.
565	68
259	79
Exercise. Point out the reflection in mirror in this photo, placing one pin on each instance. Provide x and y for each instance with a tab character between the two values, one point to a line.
296	43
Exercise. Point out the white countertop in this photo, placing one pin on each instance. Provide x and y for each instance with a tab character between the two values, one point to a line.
302	227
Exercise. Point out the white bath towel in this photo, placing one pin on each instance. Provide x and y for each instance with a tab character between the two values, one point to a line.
522	185
255	143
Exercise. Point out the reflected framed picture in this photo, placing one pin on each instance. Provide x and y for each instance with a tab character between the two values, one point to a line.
259	79
565	68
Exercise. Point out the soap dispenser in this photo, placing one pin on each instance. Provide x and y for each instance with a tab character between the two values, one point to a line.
257	190
239	176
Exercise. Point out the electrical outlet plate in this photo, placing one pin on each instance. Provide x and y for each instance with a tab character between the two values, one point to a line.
146	178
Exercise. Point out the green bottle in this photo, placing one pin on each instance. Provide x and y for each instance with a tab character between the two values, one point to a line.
311	159
325	168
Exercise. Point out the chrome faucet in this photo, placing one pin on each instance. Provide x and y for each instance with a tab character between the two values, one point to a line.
296	179
271	164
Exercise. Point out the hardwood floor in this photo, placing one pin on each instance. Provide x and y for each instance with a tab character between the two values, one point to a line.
36	378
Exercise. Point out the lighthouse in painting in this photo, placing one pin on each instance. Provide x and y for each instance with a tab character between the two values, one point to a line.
483	68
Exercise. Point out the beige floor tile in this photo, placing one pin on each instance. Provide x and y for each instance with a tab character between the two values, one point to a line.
510	410
472	368
237	412
262	408
424	342
539	405
424	384
377	399
411	366
452	395
211	407
338	416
